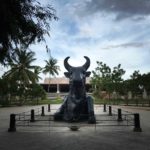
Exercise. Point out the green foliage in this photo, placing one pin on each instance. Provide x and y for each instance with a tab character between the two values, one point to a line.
145	80
138	82
116	76
21	74
15	94
22	22
36	92
105	79
21	69
101	79
109	80
7	92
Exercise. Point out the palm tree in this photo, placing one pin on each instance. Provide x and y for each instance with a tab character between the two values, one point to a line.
37	71
21	71
52	68
21	68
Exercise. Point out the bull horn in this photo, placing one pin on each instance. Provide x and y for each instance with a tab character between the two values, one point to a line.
66	64
87	63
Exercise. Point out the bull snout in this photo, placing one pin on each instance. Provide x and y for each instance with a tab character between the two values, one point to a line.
77	82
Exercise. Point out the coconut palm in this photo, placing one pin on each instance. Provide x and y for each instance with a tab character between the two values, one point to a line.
52	68
37	71
21	71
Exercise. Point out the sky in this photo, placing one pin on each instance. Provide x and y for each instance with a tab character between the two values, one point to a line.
112	31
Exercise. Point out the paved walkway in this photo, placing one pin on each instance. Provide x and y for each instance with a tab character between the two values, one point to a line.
104	138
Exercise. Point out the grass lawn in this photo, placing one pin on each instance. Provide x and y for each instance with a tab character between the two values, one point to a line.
51	101
45	101
136	102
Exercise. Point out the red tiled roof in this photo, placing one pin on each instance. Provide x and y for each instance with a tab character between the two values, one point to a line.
61	80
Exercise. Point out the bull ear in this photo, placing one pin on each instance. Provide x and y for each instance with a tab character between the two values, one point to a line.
88	73
67	74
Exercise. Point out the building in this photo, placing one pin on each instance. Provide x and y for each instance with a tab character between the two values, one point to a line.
60	84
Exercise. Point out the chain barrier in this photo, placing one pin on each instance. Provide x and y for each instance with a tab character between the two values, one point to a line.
38	118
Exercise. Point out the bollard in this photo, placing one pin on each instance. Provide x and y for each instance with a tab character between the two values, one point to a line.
104	108
137	127
110	111
32	116
119	115
42	114
49	108
12	125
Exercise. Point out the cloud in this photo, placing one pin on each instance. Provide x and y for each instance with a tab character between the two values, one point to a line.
128	45
122	8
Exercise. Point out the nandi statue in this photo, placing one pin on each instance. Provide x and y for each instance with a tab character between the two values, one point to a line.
77	106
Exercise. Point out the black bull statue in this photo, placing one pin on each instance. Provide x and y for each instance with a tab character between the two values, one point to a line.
77	106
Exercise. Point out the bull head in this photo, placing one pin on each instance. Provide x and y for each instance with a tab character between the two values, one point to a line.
77	74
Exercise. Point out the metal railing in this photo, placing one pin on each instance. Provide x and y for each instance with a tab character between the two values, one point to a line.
37	118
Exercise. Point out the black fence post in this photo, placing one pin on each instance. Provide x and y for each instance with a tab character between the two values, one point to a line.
32	116
42	114
104	108
137	127
12	125
49	108
110	111
119	115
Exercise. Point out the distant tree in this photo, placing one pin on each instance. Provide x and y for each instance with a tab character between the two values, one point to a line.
36	92
117	74
8	91
51	68
136	74
101	79
105	79
145	81
135	82
22	22
138	82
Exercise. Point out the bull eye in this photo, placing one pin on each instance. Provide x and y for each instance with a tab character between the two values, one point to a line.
83	71
70	73
70	70
83	75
